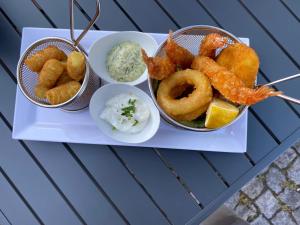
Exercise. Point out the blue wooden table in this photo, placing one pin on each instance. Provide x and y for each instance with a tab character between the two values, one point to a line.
61	183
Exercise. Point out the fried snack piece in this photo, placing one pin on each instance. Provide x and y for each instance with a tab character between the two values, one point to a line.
40	91
200	96
210	43
230	85
242	61
76	65
159	68
63	92
36	61
50	73
177	54
64	78
192	115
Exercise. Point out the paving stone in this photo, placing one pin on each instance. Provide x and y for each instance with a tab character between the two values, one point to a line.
233	200
275	179
282	218
253	188
267	204
246	212
285	158
296	215
260	221
294	171
291	198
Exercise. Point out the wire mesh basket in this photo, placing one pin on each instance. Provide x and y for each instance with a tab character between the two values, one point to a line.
27	79
190	38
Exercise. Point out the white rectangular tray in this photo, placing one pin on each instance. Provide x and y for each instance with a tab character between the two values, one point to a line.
35	123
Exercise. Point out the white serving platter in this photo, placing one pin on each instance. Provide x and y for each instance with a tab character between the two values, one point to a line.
35	123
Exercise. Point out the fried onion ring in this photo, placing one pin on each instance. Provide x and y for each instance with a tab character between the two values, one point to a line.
200	96
192	115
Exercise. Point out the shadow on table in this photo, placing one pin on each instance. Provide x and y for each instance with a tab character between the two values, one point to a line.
224	216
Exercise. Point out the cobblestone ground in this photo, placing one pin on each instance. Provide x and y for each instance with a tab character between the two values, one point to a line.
272	197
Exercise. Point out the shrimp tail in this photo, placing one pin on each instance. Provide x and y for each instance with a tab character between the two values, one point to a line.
178	54
211	43
158	67
253	96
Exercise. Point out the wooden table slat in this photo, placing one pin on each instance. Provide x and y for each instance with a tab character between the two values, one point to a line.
32	183
119	184
10	44
148	16
14	209
23	13
58	12
293	6
111	17
285	31
231	166
159	181
196	173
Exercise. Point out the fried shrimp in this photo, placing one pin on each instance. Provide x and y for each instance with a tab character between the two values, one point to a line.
210	43
158	67
230	85
242	61
177	54
176	107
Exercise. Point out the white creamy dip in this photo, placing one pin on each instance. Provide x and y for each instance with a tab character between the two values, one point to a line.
126	113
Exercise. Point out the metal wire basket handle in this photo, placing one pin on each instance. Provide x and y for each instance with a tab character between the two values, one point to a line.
288	98
91	23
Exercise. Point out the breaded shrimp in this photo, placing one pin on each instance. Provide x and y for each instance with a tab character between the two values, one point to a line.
230	85
210	43
177	54
159	68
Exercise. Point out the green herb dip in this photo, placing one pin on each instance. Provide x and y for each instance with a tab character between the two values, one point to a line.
124	62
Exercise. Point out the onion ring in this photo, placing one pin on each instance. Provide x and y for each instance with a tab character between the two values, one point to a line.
192	115
200	96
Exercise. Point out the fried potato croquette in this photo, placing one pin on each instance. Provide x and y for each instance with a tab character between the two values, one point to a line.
242	61
63	92
159	68
201	94
177	54
210	43
40	91
76	65
64	78
50	73
36	61
230	85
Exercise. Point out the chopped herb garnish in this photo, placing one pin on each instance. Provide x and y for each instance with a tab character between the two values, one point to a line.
114	128
129	110
135	122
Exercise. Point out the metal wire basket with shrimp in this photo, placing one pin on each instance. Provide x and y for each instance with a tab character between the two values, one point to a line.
28	79
176	66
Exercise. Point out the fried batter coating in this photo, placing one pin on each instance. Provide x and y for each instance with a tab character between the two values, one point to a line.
177	54
37	60
64	78
76	65
40	91
63	92
50	73
242	61
230	85
159	68
201	94
210	43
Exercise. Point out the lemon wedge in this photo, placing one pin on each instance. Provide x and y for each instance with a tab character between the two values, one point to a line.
220	113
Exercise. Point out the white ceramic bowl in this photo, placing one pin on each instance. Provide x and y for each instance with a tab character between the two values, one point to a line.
97	105
101	47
